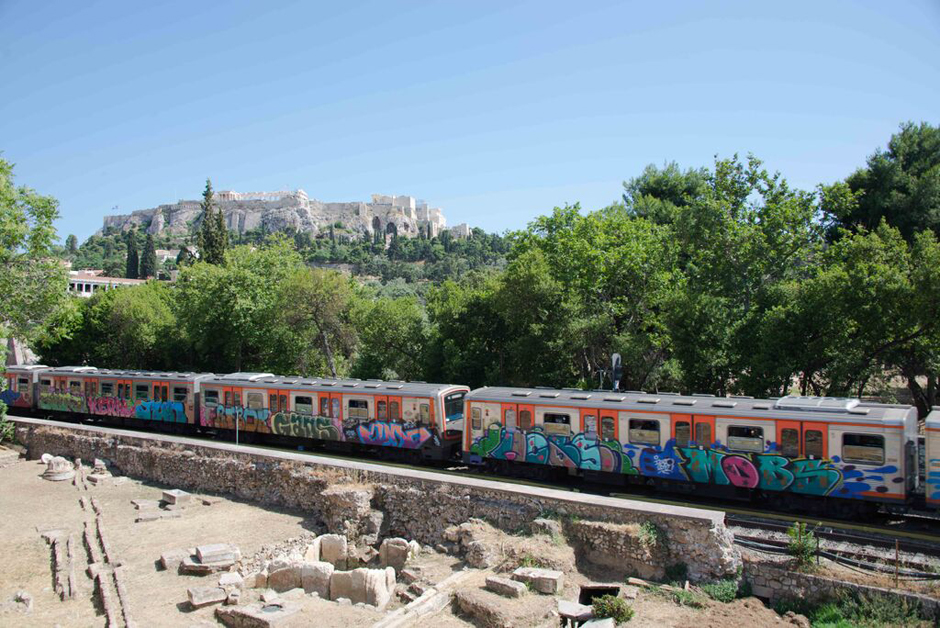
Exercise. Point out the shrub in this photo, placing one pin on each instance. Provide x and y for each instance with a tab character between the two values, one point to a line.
528	560
850	609
614	607
651	535
687	598
802	546
722	590
6	429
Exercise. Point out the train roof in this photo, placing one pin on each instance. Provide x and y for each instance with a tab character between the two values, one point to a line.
126	374
829	409
369	386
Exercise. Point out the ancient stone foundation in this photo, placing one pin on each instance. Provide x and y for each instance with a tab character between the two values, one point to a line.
364	501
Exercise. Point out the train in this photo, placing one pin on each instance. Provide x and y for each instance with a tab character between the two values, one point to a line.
838	456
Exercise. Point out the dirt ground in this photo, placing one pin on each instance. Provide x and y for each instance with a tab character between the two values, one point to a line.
30	504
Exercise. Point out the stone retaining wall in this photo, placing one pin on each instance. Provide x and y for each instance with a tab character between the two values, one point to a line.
774	582
401	505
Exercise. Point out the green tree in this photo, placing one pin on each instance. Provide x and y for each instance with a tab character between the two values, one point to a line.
148	263
315	306
900	184
393	334
212	239
132	266
32	281
71	244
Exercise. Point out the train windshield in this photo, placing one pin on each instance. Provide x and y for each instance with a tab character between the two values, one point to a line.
453	406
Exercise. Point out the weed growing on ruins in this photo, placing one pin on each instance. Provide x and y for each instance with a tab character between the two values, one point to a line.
614	607
528	560
802	546
722	590
651	536
850	609
685	598
6	429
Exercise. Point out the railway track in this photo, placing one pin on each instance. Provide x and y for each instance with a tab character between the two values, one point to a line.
917	533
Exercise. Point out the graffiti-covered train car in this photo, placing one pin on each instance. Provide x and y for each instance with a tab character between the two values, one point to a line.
373	413
785	449
152	397
22	382
932	459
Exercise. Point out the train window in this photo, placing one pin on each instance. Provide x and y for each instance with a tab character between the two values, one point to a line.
324	406
590	424
393	412
644	432
790	443
525	420
75	388
608	428
120	390
509	419
476	418
683	433
425	413
381	409
46	385
212	397
272	403
556	424
141	391
255	401
358	409
107	389
453	406
334	408
180	394
23	384
813	444
743	438
304	405
283	407
228	397
863	448
703	433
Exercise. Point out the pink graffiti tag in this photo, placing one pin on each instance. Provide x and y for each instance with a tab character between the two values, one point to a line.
740	471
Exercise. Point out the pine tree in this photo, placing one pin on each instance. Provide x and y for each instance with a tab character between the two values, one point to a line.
132	266
148	263
71	244
212	239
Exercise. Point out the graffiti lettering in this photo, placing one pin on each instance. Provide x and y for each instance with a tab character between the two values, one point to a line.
304	426
109	406
392	434
62	401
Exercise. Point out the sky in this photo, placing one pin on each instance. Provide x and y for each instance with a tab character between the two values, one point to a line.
495	111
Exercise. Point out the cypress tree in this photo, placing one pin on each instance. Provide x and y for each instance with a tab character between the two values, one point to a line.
212	238
131	268
148	263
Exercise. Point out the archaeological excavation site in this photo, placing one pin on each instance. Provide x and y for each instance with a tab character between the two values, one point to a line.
104	528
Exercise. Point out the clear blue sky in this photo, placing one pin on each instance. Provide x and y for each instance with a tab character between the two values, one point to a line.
495	111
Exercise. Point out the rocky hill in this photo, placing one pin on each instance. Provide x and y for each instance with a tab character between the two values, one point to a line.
284	210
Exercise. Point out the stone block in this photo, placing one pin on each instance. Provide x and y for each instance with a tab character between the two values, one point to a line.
285	579
484	610
374	587
315	578
394	553
231	579
269	596
607	622
312	553
215	552
203	596
505	586
145	504
542	580
176	496
256	615
234	597
256	580
340	585
196	568
409	575
334	550
574	611
546	526
171	560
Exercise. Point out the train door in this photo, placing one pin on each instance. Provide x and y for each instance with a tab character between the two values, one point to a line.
510	416
232	401
336	406
682	429
526	417
608	425
381	408
815	440
788	438
703	430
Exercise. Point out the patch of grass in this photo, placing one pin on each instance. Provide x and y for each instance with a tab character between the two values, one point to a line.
687	598
651	535
558	539
853	609
528	560
722	590
614	607
7	428
802	546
